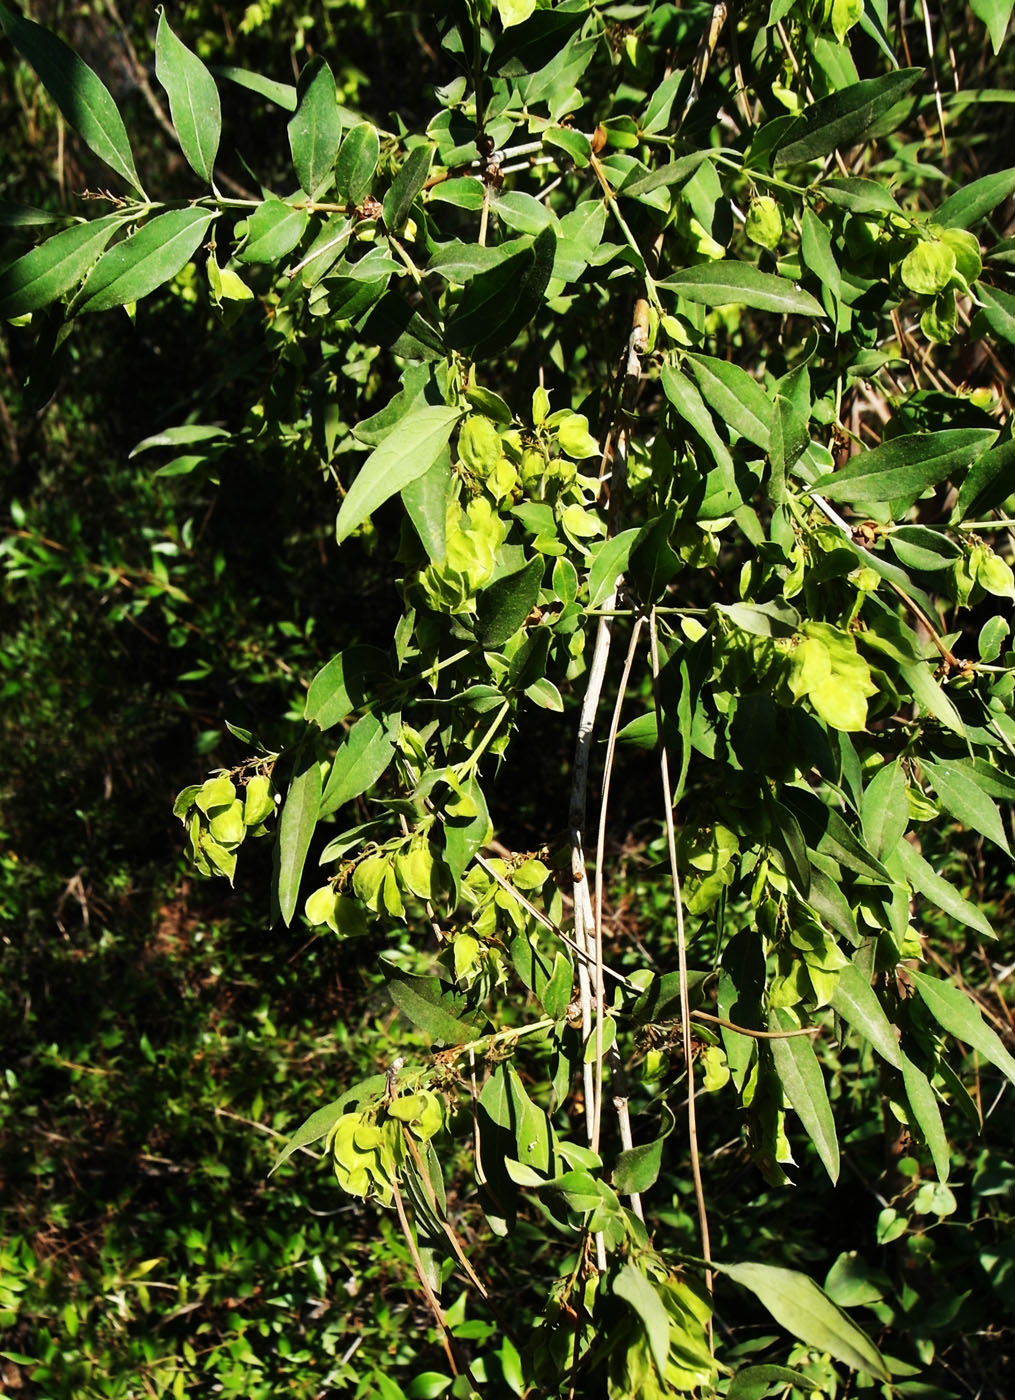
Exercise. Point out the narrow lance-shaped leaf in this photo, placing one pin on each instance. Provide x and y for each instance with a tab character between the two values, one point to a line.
193	99
426	1007
359	763
958	1014
146	260
855	1000
902	468
498	304
296	827
960	795
738	399
971	203
798	1304
55	266
81	96
316	128
925	1110
406	453
731	283
406	186
804	1086
281	94
842	118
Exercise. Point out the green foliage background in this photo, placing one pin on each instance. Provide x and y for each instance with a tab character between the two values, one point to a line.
158	1032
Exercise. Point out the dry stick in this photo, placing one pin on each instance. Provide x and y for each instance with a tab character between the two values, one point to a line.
620	1100
937	86
685	1009
456	1363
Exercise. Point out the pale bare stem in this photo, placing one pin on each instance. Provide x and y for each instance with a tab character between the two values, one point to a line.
933	70
704	55
485	215
428	1293
685	1005
611	745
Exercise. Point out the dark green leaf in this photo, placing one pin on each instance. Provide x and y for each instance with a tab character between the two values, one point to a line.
315	129
730	283
973	202
754	1382
274	229
925	1110
843	118
816	250
426	504
25	215
497	305
926	881
858	196
799	1072
957	1013
690	406
296	828
826	831
855	1000
193	99
998	311
361	760
502	608
406	186
901	469
989	481
408	451
462	839
673	173
433	1011
146	260
638	1168
357	162
739	400
56	265
798	1304
959	794
81	96
343	685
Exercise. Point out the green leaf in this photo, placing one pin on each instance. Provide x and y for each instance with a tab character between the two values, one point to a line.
858	196
274	229
426	503
973	202
924	1106
514	11
609	562
804	1086
295	830
959	794
689	404
182	436
315	129
673	173
635	1289
497	305
462	839
193	99
754	1382
406	186
957	1013
433	1011
855	1000
637	1168
941	893
343	685
362	759
739	400
25	215
321	1122
902	468
816	251
995	14
146	260
798	1304
282	94
357	161
730	283
409	450
502	608
841	119
77	91
44	274
885	810
998	311
987	483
